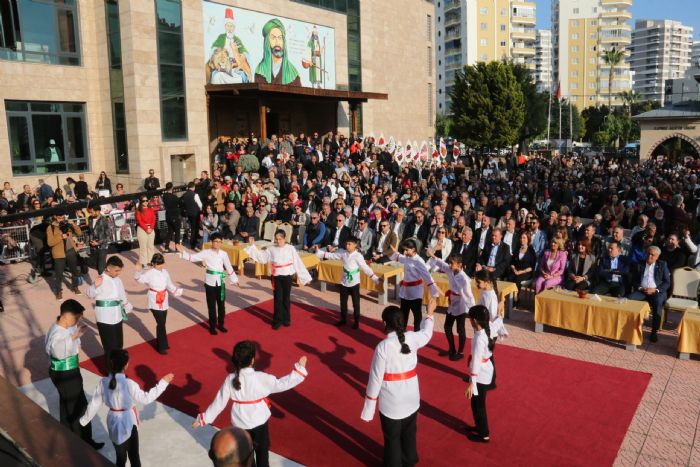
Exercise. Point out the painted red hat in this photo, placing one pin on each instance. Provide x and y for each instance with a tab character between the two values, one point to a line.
229	14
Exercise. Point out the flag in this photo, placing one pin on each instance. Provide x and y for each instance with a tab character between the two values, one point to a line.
381	141
391	145
455	148
559	91
424	151
443	148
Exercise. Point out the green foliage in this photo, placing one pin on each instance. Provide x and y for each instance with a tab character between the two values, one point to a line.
535	105
612	57
488	107
443	125
566	124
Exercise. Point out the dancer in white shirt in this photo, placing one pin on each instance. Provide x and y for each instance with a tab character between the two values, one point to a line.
415	275
353	263
482	372
63	347
248	389
460	298
159	284
120	394
111	305
488	288
393	381
218	268
284	263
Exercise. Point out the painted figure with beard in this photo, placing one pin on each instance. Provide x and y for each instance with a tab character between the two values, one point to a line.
275	67
239	68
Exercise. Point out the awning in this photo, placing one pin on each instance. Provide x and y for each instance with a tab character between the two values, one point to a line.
257	89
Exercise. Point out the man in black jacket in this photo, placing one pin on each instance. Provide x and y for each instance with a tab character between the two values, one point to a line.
100	236
651	281
418	229
192	206
465	248
171	204
495	256
249	225
151	182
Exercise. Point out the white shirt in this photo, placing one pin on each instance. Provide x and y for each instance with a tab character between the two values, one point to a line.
380	244
123	397
460	293
480	365
414	269
489	299
59	342
482	239
648	281
492	255
217	261
353	263
508	239
336	239
285	261
397	399
157	281
255	387
397	227
110	289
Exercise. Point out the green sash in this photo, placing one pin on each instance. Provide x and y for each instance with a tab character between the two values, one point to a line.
70	363
108	303
223	276
350	274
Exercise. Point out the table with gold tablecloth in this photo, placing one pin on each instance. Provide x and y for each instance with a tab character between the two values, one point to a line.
330	270
605	318
506	291
689	334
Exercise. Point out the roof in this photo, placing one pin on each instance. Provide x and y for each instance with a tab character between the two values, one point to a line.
683	110
297	91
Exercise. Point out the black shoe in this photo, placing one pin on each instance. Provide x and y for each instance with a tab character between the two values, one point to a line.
444	353
95	445
456	356
286	324
478	439
342	322
356	325
470	428
276	326
222	329
467	379
163	352
212	331
653	337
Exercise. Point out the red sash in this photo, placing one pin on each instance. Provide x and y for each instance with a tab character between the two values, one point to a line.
449	295
400	376
264	399
160	296
411	283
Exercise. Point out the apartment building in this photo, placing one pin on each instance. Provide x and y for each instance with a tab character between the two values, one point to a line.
543	60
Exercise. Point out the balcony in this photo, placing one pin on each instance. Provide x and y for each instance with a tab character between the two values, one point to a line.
524	34
523	51
616	14
524	19
622	3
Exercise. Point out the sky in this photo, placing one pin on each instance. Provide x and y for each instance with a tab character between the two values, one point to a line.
685	11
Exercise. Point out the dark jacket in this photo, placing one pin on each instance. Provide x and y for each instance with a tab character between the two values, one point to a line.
189	205
502	260
589	267
423	231
345	233
662	276
605	272
469	255
250	225
171	204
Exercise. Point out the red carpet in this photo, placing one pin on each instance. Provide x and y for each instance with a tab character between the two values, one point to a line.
547	410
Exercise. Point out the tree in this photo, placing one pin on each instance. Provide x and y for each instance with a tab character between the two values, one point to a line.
629	99
594	117
576	120
612	57
443	125
535	106
488	108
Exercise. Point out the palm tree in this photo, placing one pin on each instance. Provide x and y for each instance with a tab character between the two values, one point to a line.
612	58
629	98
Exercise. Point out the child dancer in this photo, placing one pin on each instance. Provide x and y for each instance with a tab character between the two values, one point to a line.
460	298
353	262
248	389
285	262
489	298
63	347
393	380
415	274
218	268
482	372
159	284
119	393
111	305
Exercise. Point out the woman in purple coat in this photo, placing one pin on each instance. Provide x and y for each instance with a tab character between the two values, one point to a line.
552	266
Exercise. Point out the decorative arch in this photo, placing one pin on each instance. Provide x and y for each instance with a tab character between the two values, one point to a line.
685	138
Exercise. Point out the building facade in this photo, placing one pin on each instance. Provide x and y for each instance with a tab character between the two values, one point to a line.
582	30
660	50
470	31
121	86
695	54
543	60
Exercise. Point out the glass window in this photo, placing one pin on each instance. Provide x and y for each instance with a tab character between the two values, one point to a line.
116	87
169	16
46	137
170	48
173	105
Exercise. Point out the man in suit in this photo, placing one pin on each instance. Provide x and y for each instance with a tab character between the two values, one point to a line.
398	225
418	229
192	206
580	272
338	235
511	237
466	248
495	256
366	237
651	281
612	272
248	225
482	235
386	237
350	219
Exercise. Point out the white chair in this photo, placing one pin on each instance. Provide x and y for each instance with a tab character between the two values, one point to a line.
685	291
269	234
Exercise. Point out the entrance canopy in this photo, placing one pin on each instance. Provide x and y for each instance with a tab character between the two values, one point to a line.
238	109
681	120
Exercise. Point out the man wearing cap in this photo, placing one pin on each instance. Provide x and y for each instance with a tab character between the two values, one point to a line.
52	153
275	67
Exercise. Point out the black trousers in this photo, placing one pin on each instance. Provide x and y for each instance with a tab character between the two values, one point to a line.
112	337
461	331
129	448
282	295
481	419
215	302
194	230
569	284
399	441
261	443
161	334
615	289
353	292
59	265
99	256
174	226
656	303
416	307
72	401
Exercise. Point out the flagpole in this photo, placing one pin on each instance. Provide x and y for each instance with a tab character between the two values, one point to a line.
559	101
549	120
571	124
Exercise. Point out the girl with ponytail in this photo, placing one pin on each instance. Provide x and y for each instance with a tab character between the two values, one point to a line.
248	389
482	373
393	381
488	288
120	393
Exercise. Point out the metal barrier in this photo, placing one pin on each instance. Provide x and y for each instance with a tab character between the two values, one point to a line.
14	243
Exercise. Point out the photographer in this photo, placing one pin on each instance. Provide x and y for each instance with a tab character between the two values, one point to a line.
60	238
100	236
